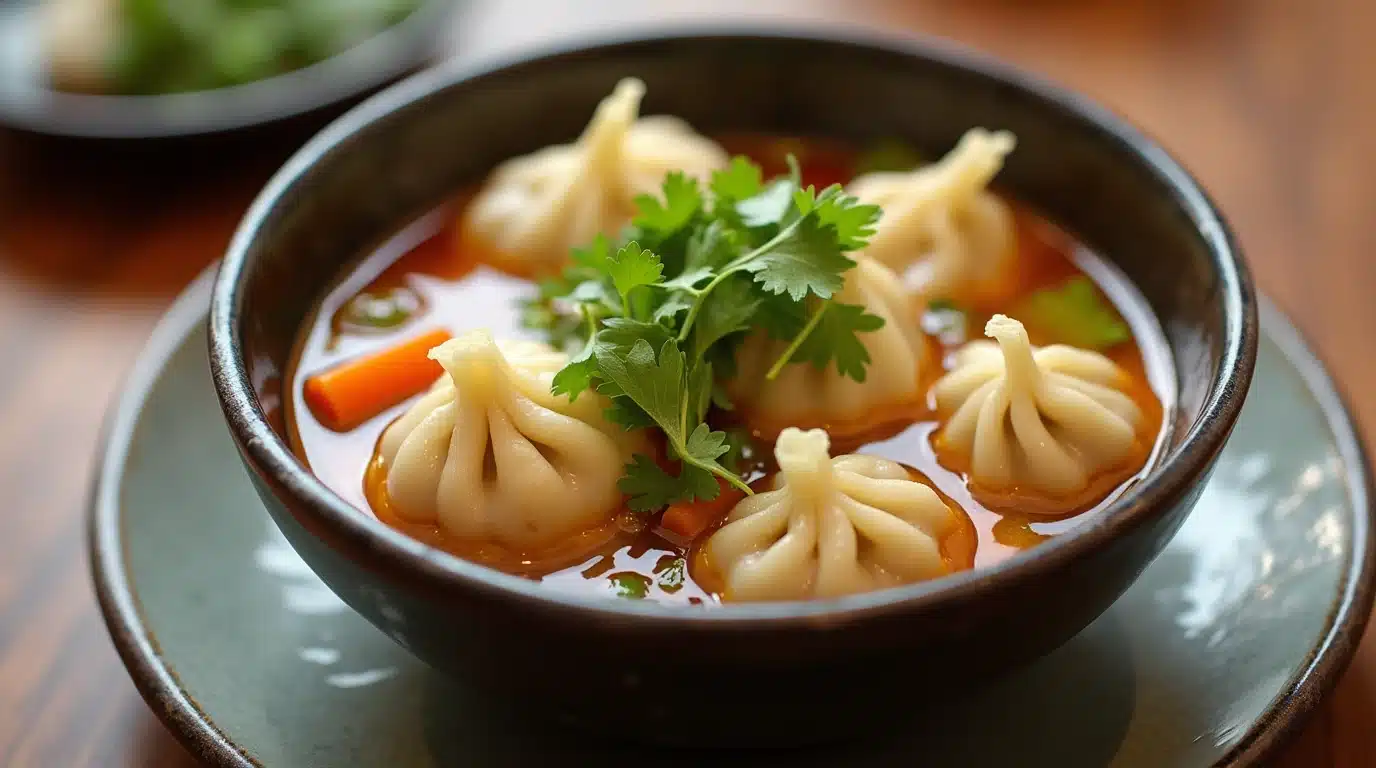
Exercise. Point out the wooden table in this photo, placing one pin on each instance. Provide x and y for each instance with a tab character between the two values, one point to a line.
1270	102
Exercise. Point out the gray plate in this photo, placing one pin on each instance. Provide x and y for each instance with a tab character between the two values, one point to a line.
1213	657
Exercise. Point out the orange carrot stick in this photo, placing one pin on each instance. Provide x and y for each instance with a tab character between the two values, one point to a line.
353	392
688	519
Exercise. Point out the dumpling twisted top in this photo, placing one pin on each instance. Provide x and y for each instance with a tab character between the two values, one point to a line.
490	453
830	527
534	209
1045	420
942	219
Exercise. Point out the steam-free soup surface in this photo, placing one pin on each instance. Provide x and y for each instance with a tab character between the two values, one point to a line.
423	279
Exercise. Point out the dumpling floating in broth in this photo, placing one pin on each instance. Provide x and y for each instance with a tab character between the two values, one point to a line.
532	210
802	393
489	453
941	225
830	527
1044	420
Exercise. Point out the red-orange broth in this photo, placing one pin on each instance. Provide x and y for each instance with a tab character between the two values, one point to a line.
451	287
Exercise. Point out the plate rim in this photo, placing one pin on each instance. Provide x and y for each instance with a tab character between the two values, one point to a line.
159	686
355	72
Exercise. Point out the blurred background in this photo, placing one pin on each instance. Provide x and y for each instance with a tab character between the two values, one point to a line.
119	184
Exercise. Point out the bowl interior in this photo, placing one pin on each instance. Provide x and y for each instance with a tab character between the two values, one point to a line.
406	151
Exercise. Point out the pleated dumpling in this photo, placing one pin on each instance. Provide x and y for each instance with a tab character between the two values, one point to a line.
489	453
805	394
533	209
940	224
1044	420
829	527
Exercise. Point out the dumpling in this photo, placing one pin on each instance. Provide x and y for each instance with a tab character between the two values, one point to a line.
489	453
942	220
533	209
829	527
811	396
1045	420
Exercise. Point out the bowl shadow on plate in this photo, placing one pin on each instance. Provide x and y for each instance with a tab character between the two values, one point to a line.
1071	710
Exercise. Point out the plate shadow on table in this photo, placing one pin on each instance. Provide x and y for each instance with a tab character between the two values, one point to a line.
138	221
1071	710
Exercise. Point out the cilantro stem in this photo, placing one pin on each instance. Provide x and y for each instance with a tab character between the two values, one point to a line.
798	340
730	269
724	474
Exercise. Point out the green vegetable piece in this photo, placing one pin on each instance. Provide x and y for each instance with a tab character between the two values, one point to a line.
671	576
1075	313
387	310
629	584
888	155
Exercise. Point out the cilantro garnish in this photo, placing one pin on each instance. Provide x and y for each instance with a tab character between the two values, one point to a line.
1075	313
661	312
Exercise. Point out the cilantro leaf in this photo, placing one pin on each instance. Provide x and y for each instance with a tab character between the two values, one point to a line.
698	394
655	385
726	310
1077	314
594	256
663	309
596	292
577	375
806	260
768	207
710	248
672	306
781	317
648	487
740	180
705	443
835	339
852	222
625	413
623	333
617	333
673	397
689	280
633	267
682	201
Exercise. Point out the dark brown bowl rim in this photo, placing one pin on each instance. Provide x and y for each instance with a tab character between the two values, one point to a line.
363	536
157	681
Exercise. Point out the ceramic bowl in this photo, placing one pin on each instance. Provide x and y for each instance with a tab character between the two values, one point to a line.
742	673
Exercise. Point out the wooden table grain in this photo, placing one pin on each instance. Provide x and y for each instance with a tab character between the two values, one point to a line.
1269	102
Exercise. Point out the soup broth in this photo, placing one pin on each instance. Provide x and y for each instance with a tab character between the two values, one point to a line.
428	277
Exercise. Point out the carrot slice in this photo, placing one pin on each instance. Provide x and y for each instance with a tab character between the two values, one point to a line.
688	519
349	394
